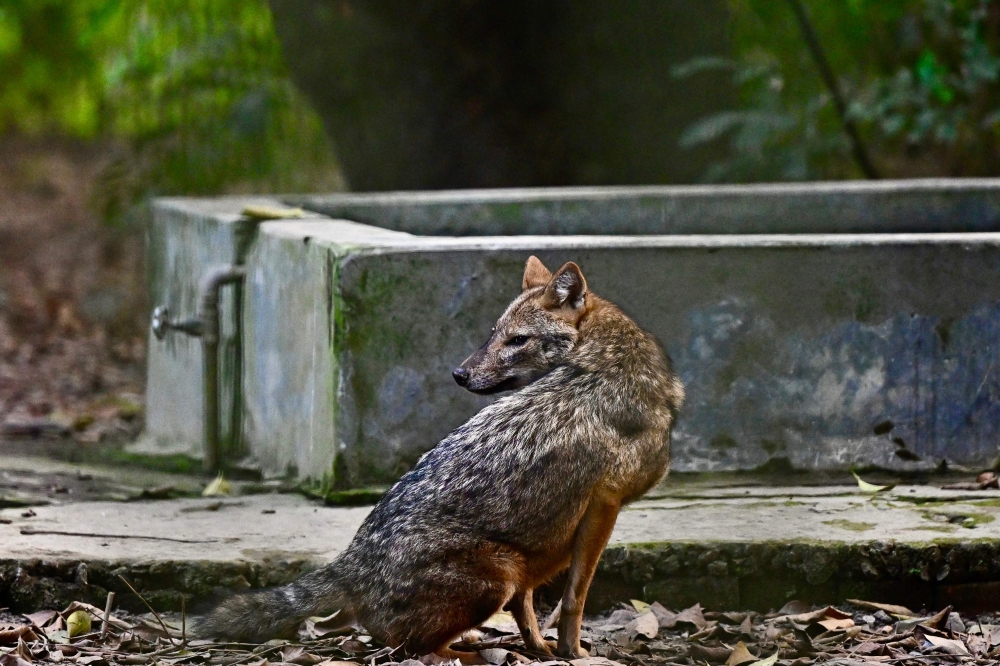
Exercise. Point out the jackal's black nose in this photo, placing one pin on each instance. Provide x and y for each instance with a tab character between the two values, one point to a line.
461	376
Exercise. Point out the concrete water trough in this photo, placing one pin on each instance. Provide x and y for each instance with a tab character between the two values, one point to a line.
816	327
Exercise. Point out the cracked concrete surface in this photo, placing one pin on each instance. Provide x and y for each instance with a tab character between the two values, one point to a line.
254	527
690	540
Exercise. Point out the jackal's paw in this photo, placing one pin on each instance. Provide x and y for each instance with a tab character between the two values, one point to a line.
548	648
447	656
575	652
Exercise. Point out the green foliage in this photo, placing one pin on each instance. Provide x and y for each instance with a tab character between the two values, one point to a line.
50	64
921	77
196	91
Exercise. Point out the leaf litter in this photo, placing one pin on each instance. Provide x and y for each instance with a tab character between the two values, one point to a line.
859	633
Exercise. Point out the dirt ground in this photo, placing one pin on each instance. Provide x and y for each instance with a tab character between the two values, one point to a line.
72	308
635	634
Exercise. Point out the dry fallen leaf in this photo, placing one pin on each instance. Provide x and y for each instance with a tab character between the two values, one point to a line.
711	654
871	488
870	648
901	612
331	625
645	625
12	659
740	655
495	655
639	605
836	624
22	651
770	661
353	646
931	621
15	634
693	616
501	621
794	607
298	655
272	212
217	487
587	661
815	616
92	660
948	645
42	618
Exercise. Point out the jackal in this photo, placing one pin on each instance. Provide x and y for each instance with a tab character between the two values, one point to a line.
529	486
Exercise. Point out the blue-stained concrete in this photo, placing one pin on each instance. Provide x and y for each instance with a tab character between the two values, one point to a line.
933	379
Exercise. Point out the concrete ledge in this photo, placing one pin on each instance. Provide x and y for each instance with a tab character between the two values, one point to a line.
727	548
923	205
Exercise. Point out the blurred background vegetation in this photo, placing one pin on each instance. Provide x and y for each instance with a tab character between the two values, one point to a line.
191	96
195	96
919	79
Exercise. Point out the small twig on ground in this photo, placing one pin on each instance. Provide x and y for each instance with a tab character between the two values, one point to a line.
553	618
252	656
495	642
184	639
107	615
155	614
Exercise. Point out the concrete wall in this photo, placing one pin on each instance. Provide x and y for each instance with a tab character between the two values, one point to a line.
291	359
185	239
793	347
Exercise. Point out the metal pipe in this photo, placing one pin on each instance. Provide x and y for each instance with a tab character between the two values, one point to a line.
208	313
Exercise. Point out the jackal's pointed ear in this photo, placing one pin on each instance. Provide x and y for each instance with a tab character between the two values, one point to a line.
567	287
535	274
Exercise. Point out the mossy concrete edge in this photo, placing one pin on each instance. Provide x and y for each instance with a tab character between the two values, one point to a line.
719	575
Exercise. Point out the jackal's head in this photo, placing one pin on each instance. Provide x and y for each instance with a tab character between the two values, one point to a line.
534	335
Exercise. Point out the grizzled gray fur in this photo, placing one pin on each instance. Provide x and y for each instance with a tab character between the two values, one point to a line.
529	486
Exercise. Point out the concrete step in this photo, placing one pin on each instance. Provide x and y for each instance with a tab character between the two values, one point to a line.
752	547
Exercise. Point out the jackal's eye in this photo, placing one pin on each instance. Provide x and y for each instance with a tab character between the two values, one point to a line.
517	341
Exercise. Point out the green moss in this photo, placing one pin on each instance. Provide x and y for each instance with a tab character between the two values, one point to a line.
723	441
771	446
349	497
968	519
174	463
845	524
332	494
354	497
975	519
852	296
778	466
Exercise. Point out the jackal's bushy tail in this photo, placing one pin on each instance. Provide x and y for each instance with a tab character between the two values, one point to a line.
259	616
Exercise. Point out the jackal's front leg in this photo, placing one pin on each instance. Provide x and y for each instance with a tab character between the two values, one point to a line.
591	537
